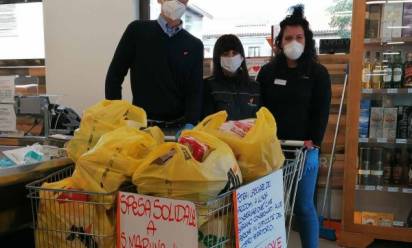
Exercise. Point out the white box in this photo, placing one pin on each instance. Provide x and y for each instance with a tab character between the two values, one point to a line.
376	123
391	17
390	116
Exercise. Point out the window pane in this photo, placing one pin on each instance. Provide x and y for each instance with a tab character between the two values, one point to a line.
252	21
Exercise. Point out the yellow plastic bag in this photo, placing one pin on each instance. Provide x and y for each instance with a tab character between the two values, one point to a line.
71	219
258	152
171	171
101	118
114	159
156	133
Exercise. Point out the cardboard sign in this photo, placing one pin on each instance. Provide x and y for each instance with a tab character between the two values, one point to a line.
259	213
7	118
145	221
7	90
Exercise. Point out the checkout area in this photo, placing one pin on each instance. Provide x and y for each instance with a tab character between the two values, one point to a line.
29	152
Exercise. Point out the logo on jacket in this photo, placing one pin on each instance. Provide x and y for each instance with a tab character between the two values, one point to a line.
251	102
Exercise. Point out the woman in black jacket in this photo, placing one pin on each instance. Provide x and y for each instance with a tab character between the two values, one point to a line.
230	88
297	90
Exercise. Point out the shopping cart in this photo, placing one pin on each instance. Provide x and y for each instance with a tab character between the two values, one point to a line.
72	218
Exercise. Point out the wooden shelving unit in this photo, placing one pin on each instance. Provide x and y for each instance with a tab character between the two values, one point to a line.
357	235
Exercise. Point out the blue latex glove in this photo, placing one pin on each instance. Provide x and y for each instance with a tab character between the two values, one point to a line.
187	126
312	159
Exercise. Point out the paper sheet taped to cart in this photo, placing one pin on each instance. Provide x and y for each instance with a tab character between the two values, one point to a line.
259	213
148	222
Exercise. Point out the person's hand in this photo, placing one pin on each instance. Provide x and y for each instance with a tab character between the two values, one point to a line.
187	126
308	144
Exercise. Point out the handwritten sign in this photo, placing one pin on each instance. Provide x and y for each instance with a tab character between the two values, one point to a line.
259	213
146	221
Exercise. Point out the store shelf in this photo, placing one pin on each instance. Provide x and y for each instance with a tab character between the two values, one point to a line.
384	42
385	141
401	91
390	189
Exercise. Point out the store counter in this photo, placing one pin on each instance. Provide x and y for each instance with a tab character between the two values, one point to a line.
15	208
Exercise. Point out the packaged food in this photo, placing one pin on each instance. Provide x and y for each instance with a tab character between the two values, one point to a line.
198	149
240	127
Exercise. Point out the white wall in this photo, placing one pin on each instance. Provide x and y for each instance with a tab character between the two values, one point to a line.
80	39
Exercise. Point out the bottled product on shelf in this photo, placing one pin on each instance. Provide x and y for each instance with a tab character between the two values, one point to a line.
376	177
410	124
403	118
364	166
397	169
405	167
387	71
378	72
366	71
410	170
380	167
397	71
387	167
407	82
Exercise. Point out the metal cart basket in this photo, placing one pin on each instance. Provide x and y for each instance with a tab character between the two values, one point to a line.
72	218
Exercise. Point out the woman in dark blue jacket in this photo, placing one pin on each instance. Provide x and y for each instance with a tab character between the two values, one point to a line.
230	88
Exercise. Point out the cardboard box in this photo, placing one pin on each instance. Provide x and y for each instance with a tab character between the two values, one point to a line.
407	19
377	219
365	106
376	123
391	17
373	20
357	217
390	116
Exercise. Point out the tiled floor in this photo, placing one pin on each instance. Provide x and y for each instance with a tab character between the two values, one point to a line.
294	242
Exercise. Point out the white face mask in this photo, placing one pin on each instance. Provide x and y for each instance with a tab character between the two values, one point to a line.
173	9
231	64
293	50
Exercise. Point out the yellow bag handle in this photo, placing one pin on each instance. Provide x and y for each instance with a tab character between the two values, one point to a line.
212	122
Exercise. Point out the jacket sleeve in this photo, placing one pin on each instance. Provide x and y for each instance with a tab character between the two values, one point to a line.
193	89
121	62
208	103
321	98
261	78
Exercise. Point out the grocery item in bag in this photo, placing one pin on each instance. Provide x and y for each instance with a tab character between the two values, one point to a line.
239	128
171	170
253	141
198	149
101	118
66	217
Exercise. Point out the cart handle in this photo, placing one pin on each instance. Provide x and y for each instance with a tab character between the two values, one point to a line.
294	143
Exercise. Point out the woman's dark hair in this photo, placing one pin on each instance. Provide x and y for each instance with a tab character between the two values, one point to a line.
297	18
226	43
